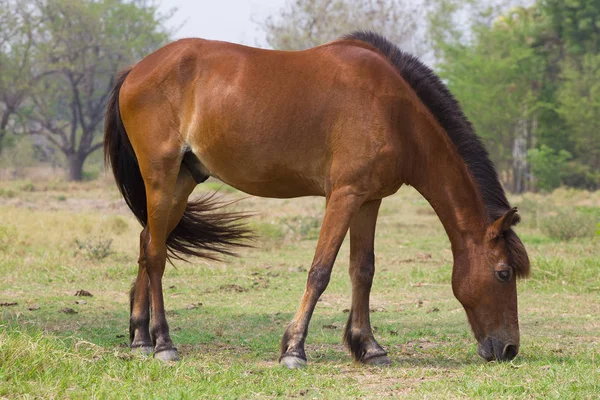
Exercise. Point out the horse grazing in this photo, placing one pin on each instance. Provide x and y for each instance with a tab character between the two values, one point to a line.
352	120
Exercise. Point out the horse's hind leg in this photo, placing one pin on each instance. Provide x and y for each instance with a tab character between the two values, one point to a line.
140	316
358	335
341	206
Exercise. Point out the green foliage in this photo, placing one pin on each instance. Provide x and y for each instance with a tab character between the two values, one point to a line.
7	193
581	176
577	23
579	107
59	60
567	224
495	76
271	232
547	165
529	73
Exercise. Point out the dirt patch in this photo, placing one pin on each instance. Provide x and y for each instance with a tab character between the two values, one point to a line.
233	288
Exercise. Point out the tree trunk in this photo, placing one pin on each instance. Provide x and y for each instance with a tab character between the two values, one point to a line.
3	125
75	167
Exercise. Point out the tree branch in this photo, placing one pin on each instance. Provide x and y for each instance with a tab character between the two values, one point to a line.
94	147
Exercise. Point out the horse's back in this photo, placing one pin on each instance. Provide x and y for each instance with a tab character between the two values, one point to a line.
272	123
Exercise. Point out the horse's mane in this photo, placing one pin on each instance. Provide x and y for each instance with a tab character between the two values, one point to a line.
445	108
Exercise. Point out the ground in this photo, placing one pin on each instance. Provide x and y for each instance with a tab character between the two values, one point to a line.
227	318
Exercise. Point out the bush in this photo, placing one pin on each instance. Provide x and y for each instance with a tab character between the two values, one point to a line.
7	193
94	248
8	237
268	231
303	227
548	166
581	176
566	224
117	225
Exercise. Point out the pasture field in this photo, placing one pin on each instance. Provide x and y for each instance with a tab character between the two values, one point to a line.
227	318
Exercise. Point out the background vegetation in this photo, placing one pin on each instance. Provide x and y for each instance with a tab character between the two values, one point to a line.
526	72
59	59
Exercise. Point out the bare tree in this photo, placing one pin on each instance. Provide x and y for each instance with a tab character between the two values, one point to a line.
308	23
80	46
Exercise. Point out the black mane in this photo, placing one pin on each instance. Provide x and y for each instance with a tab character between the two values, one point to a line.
444	107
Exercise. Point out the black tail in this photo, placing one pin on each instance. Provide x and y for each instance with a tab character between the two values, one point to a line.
201	231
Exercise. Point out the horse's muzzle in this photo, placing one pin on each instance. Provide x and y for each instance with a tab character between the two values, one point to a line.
494	349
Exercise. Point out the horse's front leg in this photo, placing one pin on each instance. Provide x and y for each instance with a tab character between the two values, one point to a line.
341	206
358	335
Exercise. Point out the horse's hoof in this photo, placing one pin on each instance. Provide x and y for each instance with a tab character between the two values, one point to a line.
379	361
167	355
292	362
143	350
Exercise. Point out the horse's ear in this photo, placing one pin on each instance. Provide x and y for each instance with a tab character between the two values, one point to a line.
503	223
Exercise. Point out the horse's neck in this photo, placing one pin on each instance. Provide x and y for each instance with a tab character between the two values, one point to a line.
442	177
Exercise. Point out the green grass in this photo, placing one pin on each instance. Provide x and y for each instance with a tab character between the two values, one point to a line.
228	336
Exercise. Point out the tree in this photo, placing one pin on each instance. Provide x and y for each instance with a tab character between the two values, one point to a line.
80	45
308	23
496	76
579	107
548	166
17	52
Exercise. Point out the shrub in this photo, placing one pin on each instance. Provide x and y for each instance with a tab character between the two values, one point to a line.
303	227
95	248
117	225
28	187
566	224
581	176
8	237
531	206
267	230
8	193
548	166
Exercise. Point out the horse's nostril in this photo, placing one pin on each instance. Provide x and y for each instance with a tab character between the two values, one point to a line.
510	351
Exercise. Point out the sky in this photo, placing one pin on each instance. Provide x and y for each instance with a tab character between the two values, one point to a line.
229	20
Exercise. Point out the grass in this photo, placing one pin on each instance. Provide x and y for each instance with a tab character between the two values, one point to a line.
227	318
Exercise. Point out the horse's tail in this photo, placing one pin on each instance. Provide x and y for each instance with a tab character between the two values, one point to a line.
119	154
201	231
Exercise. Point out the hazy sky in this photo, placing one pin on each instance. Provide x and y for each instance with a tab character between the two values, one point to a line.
229	20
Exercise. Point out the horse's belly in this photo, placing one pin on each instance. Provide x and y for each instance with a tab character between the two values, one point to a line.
281	189
264	171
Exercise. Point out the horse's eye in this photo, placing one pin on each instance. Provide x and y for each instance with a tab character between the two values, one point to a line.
504	275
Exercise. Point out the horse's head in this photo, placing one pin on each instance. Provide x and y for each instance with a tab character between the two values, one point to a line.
484	281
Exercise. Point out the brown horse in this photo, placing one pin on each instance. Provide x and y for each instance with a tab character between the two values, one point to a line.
352	120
